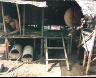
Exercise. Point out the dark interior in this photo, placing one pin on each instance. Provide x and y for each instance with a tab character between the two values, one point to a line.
15	51
53	14
27	56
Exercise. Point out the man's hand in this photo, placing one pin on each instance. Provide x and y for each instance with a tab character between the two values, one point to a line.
6	34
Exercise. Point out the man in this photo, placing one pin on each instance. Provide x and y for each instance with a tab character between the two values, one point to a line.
12	26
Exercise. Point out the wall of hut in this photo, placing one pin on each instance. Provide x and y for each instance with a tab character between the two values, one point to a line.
53	15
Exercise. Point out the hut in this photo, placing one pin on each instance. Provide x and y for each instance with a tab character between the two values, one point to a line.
42	19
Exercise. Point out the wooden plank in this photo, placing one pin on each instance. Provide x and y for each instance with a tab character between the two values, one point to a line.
54	48
55	59
23	37
52	37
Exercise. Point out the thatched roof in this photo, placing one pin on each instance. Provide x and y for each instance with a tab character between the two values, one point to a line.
88	6
35	3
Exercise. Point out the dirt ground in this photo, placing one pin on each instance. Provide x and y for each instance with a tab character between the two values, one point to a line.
56	68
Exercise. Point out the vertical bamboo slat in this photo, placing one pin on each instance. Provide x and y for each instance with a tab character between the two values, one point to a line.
6	40
18	17
42	31
3	16
24	21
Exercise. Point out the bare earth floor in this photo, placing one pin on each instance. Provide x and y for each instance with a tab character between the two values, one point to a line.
56	68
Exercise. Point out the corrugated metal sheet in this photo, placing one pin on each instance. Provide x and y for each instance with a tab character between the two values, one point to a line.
35	3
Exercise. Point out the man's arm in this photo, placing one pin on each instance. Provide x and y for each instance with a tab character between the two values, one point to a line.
17	28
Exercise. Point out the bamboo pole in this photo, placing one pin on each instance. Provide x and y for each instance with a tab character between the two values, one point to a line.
13	64
90	53
65	53
42	31
7	49
18	17
85	46
84	60
34	47
68	42
72	30
79	47
6	40
3	17
0	12
24	21
86	39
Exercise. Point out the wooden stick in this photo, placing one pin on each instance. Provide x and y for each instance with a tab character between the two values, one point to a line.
13	64
71	41
42	33
67	63
18	17
6	41
90	54
24	21
84	60
79	44
93	59
86	39
84	42
3	16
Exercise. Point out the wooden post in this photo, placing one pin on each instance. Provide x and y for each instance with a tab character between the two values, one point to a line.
6	40
71	42
86	39
7	49
90	53
3	16
84	60
46	53
42	31
24	20
79	47
18	17
0	13
68	45
65	53
72	31
34	47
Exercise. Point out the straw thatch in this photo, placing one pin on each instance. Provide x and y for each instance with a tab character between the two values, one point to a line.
35	3
88	6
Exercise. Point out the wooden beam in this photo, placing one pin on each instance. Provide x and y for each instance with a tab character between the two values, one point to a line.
24	20
6	40
42	31
18	17
3	17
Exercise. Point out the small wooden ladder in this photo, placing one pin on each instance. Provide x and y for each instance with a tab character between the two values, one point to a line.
46	49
